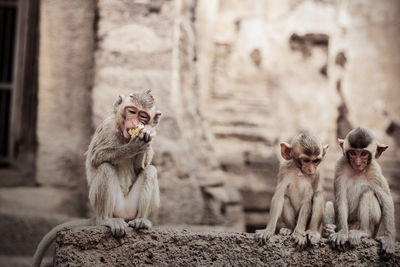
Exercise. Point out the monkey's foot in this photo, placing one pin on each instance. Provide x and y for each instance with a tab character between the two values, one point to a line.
313	237
388	245
140	223
355	237
328	229
262	236
117	226
338	240
285	231
300	239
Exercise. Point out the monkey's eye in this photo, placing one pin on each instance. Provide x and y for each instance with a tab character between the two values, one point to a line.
364	153
131	111
144	117
316	161
306	160
352	153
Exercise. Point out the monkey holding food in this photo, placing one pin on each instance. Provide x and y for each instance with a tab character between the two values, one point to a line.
298	199
123	184
362	194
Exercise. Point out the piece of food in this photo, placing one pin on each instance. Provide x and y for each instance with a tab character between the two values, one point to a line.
135	132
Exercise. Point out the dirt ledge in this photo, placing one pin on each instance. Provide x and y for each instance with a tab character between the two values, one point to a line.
94	246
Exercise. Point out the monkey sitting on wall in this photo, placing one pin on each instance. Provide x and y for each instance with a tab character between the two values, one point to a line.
362	194
123	185
298	199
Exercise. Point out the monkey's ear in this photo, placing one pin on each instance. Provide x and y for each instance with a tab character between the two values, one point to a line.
341	142
380	149
157	118
117	102
324	149
286	151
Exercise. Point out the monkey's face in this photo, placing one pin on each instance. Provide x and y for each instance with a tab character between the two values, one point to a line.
308	165
358	158
133	116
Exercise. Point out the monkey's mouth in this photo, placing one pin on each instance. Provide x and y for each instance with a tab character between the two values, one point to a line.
359	167
133	132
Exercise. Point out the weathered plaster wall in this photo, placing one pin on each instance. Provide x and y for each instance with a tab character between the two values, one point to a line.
65	79
144	45
270	69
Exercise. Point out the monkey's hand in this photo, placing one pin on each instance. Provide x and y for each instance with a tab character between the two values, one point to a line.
285	231
262	236
147	134
313	237
138	145
338	240
117	226
388	245
355	237
140	223
328	229
300	239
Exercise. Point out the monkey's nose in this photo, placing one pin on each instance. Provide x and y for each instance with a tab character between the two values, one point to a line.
310	171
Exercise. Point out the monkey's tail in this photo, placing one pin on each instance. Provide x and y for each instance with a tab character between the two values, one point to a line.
50	236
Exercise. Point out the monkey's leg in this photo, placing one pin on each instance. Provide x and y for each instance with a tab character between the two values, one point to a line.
288	218
369	215
104	192
148	197
328	220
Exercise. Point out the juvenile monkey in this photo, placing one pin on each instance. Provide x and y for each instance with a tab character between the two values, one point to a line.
298	199
362	194
123	185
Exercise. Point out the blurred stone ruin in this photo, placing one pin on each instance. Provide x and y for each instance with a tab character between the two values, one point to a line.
233	79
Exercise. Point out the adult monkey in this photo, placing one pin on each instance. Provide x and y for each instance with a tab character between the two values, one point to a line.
362	194
298	196
123	185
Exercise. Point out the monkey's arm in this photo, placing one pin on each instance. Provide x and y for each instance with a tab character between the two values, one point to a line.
276	206
299	234
340	238
304	215
387	207
115	153
317	211
276	210
341	209
143	160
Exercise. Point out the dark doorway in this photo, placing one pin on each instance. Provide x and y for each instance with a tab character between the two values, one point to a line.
19	46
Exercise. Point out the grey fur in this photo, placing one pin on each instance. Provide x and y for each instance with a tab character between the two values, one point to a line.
310	144
360	137
119	174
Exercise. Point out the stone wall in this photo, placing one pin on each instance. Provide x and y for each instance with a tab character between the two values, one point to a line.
233	79
65	79
64	112
95	246
148	44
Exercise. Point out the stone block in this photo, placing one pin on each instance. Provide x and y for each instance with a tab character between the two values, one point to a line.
94	246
